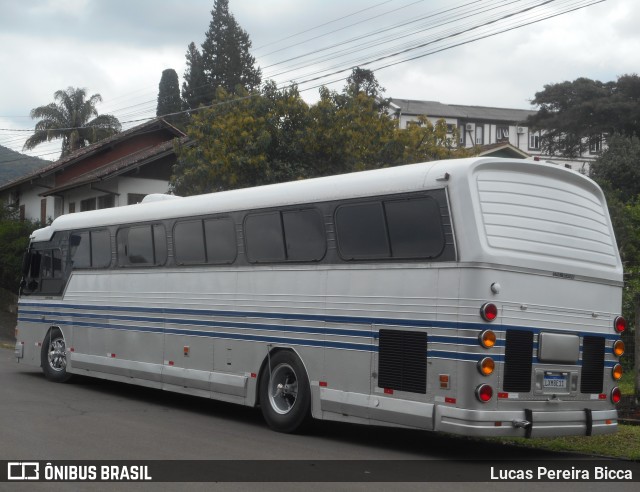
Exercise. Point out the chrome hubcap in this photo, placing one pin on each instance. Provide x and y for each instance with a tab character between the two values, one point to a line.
57	355
283	389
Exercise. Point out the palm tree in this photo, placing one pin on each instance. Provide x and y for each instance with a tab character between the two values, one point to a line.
70	119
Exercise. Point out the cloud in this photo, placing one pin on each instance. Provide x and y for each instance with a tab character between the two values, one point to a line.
119	48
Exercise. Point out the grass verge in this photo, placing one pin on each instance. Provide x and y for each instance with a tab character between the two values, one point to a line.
623	444
627	383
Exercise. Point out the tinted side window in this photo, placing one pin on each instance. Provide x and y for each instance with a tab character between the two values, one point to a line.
51	264
141	245
220	238
160	244
80	250
100	249
263	234
361	231
189	242
90	249
304	235
415	228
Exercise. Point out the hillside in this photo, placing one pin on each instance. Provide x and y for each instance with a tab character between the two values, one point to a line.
14	164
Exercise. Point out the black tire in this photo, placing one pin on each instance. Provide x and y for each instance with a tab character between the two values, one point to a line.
285	396
53	358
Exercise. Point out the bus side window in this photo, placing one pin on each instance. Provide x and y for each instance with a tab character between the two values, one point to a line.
80	250
142	245
188	239
263	235
304	235
100	249
415	228
220	239
361	231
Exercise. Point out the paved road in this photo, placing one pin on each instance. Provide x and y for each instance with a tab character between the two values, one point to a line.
92	419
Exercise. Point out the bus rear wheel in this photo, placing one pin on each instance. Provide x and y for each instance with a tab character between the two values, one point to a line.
285	397
53	358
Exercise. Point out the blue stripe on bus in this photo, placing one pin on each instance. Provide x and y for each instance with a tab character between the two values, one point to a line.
303	317
211	334
472	341
438	354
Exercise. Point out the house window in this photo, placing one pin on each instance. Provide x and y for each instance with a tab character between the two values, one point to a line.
22	213
479	135
106	201
88	204
595	144
534	141
133	198
502	134
72	207
450	127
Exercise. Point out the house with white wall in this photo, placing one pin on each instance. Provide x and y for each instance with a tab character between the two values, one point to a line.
117	171
489	129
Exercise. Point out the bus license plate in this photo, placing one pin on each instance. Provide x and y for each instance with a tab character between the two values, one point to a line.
554	381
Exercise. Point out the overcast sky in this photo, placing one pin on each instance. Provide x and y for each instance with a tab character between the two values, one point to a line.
119	48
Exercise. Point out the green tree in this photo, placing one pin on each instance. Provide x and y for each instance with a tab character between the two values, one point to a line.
242	142
274	136
617	171
14	239
618	168
575	114
348	132
225	61
422	141
74	119
364	81
195	90
169	101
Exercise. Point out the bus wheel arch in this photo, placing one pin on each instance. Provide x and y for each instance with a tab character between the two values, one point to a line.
53	357
284	392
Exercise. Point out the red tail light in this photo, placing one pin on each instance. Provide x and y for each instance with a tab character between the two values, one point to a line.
620	324
484	393
616	395
489	311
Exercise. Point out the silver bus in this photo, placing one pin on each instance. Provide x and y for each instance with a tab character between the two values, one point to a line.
477	296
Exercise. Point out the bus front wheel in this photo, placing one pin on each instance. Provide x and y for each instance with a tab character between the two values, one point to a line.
54	357
285	397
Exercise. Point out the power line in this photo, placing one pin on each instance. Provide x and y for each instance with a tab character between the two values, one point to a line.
376	60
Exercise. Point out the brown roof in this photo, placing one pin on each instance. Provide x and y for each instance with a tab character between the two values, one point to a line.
118	166
79	154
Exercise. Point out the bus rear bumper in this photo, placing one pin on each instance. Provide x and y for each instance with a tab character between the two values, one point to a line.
524	423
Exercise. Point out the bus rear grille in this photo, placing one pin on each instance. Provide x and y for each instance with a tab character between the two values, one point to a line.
592	365
402	361
518	360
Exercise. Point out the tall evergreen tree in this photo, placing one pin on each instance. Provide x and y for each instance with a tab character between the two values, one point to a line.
195	90
169	95
225	61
